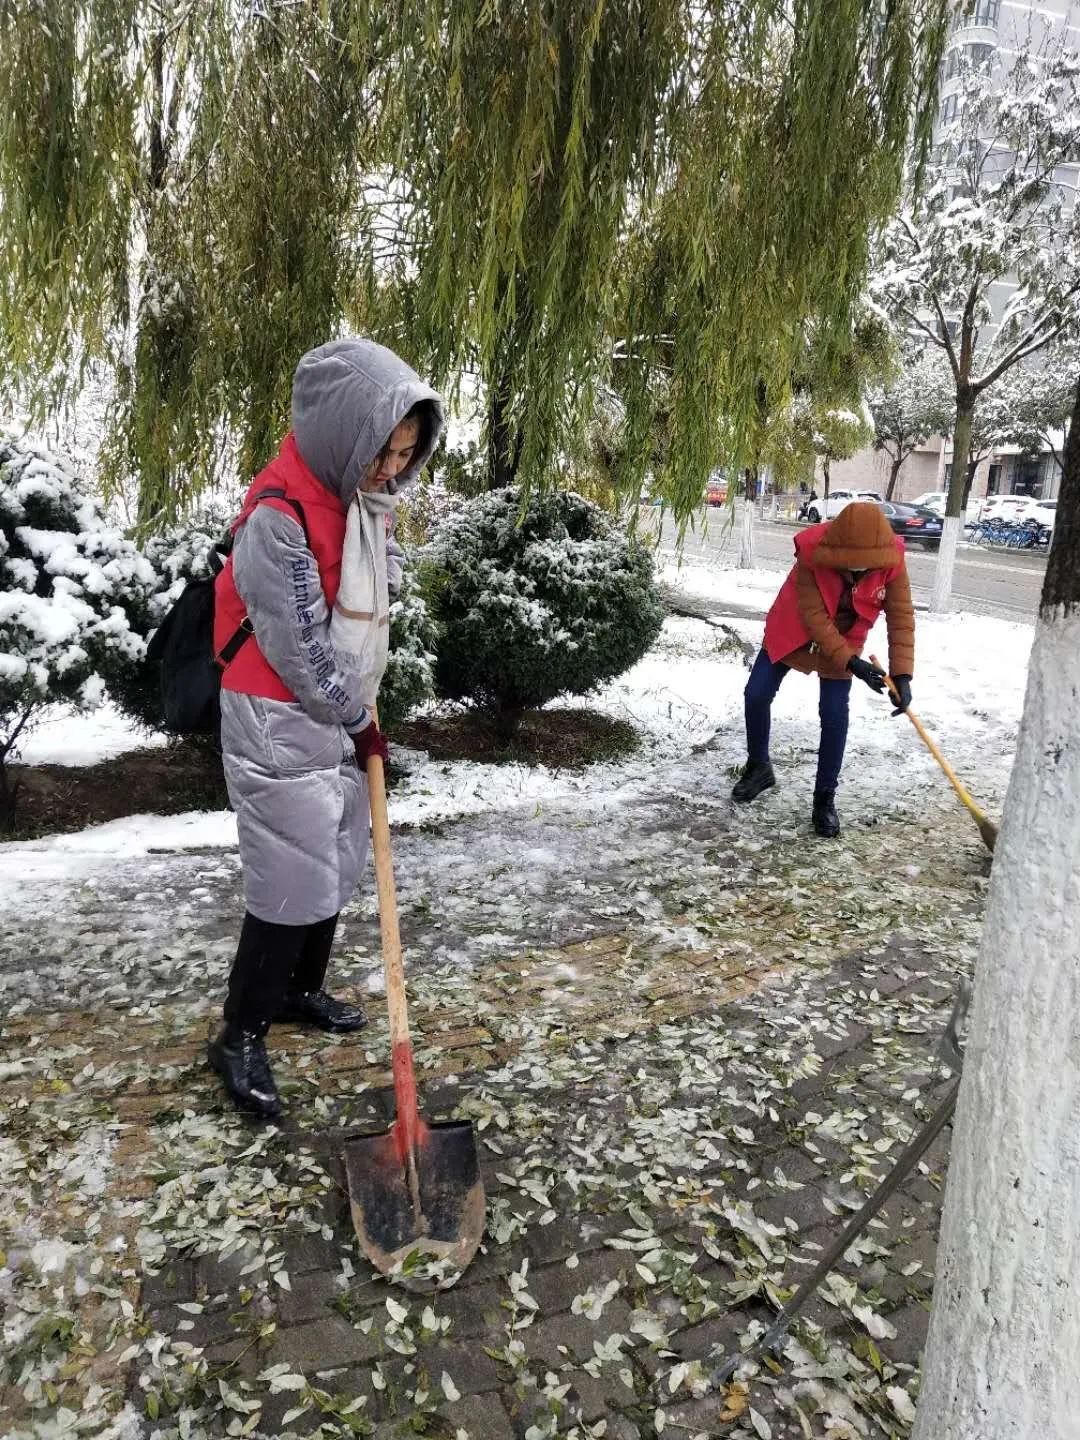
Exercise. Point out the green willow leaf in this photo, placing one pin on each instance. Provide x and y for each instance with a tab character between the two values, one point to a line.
554	197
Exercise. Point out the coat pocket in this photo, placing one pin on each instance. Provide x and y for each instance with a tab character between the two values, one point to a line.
295	742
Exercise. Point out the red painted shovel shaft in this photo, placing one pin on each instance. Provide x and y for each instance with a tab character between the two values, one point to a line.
408	1125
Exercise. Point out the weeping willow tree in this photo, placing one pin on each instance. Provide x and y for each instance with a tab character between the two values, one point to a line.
683	187
178	185
523	190
827	417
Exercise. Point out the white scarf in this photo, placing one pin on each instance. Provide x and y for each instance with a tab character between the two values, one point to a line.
360	623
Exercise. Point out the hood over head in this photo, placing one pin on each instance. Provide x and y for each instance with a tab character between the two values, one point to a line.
859	538
347	397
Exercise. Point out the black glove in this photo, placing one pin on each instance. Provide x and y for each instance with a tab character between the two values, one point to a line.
902	697
869	674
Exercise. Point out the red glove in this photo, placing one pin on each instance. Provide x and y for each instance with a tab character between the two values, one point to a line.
370	741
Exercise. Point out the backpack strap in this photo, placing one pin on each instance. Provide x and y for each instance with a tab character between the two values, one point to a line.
236	641
275	492
232	647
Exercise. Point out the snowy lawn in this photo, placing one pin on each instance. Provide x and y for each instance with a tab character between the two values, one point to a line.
969	690
64	737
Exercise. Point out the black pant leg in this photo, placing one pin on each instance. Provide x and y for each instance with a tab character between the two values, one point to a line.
833	709
310	970
265	959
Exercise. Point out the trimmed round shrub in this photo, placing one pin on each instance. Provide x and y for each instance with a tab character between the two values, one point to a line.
536	599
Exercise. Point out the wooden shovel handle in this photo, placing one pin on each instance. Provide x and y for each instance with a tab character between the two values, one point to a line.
955	780
396	1003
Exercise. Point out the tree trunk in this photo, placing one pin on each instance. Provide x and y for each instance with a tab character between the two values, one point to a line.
825	476
508	719
1001	1358
746	535
954	509
969	484
158	150
504	440
894	474
9	795
9	787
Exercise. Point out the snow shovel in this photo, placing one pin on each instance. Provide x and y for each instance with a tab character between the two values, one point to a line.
415	1189
987	828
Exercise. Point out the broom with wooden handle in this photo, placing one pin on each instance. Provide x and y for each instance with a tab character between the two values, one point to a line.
987	828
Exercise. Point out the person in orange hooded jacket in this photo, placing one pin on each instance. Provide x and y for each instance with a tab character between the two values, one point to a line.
846	573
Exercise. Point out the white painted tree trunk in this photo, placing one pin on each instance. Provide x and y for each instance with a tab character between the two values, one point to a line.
746	536
941	595
1003	1356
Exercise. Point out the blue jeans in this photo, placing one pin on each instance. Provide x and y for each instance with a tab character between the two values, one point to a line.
765	680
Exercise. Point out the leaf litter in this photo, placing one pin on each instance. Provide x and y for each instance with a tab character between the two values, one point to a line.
684	1154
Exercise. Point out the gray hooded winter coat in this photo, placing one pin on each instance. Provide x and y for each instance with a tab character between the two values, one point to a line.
300	799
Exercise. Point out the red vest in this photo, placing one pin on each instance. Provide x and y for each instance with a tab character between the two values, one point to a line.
784	629
250	672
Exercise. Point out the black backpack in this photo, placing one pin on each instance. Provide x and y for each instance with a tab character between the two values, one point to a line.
182	647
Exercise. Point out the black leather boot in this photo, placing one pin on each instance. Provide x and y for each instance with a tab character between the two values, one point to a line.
825	819
756	777
239	1057
315	1007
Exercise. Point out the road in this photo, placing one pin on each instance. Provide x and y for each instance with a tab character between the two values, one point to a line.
1007	584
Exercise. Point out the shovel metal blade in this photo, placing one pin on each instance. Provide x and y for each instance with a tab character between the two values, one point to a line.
442	1219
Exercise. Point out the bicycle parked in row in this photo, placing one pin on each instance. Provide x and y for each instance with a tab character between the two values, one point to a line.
998	533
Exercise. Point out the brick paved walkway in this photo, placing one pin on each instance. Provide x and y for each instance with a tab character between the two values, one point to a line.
656	1140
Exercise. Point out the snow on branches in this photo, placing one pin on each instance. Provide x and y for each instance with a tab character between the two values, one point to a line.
908	409
994	208
535	597
68	582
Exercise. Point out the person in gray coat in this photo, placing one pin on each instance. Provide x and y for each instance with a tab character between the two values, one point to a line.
315	531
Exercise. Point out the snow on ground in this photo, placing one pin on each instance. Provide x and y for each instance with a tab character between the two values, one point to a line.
720	585
686	693
64	736
100	846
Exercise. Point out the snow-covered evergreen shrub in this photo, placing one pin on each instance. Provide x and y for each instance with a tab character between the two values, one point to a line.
465	469
425	506
68	583
179	554
535	602
409	680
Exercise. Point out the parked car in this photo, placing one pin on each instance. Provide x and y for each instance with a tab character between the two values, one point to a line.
916	523
716	490
1044	511
826	509
937	500
1009	508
